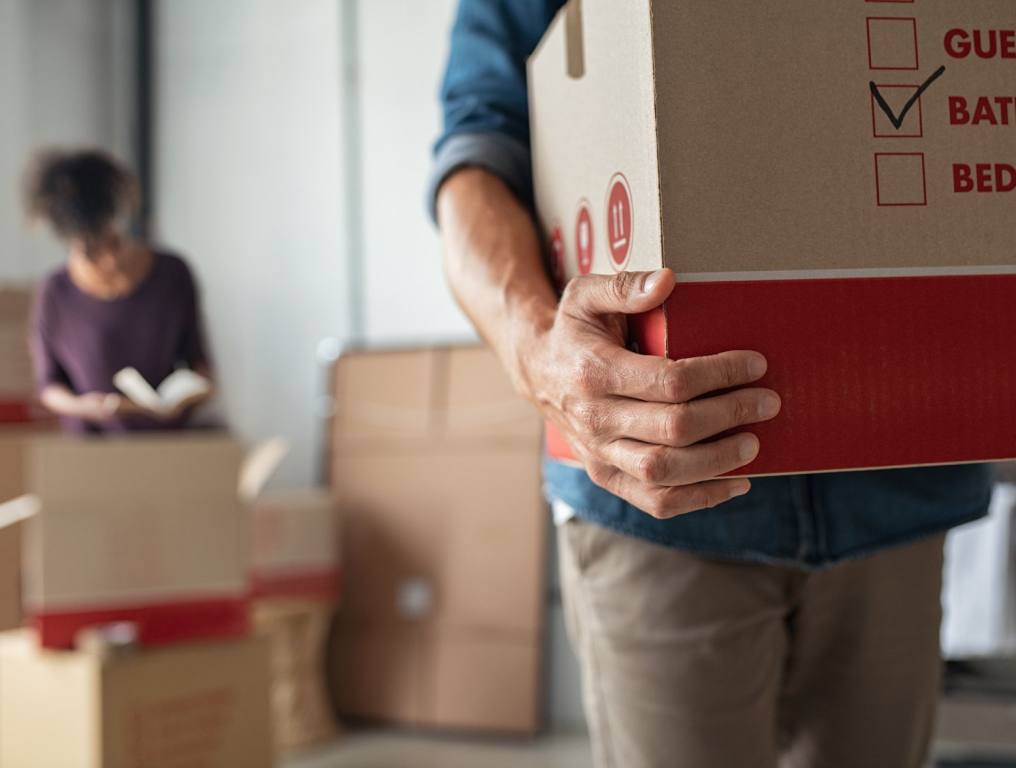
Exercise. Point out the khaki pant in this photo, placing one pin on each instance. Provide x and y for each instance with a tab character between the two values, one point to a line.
694	662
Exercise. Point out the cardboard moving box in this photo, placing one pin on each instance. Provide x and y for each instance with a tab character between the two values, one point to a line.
11	485
18	403
437	462
196	704
297	633
142	529
295	546
827	193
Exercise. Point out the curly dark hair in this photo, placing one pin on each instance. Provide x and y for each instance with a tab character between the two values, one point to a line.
78	193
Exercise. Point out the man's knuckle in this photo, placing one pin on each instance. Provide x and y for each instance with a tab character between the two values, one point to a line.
651	466
699	498
741	412
677	425
726	372
599	473
676	381
587	373
590	418
620	286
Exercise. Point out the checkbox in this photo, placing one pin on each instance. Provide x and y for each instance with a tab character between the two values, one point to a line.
892	43
897	97
900	179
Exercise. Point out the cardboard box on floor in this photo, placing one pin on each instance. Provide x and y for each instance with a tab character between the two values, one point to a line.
295	546
437	462
771	156
297	632
195	704
144	529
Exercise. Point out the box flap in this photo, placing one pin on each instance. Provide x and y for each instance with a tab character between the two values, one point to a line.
19	509
259	466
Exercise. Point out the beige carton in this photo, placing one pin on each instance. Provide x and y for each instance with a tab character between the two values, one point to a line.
437	463
197	704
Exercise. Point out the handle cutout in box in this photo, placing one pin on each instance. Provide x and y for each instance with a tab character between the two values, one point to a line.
574	43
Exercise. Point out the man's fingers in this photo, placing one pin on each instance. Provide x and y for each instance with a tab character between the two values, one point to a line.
664	502
659	380
662	465
678	425
628	293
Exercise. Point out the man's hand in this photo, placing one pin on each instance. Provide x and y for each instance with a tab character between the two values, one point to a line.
637	422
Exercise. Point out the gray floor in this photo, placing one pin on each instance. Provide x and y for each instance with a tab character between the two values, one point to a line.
395	749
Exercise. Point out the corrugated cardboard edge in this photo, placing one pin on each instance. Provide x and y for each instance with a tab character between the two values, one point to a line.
659	169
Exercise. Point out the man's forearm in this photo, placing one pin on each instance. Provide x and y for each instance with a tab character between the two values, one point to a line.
493	265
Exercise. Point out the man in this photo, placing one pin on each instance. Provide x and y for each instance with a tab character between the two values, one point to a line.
789	621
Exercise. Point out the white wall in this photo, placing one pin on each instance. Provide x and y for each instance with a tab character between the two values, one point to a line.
249	187
402	56
64	81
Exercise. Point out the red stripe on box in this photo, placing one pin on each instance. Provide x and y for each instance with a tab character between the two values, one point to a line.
15	412
873	372
321	584
158	624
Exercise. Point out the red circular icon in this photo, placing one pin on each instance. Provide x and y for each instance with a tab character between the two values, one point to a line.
619	220
557	257
584	238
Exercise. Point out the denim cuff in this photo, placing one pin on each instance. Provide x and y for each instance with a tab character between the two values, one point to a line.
502	155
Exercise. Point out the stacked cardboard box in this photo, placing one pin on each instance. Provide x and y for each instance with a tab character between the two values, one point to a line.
17	400
148	530
437	462
197	704
297	633
295	577
145	535
295	546
11	486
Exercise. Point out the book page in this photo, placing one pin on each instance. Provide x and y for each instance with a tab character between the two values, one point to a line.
182	385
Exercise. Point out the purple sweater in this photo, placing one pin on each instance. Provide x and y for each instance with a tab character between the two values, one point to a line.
81	342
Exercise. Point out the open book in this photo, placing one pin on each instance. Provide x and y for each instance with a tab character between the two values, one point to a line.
177	388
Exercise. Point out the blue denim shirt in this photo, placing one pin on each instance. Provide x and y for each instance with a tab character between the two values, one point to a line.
807	521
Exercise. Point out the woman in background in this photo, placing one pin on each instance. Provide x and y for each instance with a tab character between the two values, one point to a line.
115	303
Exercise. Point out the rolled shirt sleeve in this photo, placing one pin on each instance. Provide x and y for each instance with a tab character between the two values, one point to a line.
484	97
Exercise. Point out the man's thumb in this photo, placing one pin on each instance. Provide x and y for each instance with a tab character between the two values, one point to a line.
625	293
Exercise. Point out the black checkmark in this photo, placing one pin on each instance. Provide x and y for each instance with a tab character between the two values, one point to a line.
898	121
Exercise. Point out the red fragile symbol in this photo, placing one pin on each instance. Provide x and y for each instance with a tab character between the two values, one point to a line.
557	256
584	239
619	220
